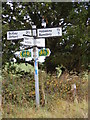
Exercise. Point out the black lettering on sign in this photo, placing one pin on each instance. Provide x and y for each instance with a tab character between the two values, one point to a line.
46	34
45	31
13	36
13	33
27	32
27	39
28	42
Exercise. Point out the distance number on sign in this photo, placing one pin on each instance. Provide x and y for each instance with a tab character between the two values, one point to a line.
25	53
44	52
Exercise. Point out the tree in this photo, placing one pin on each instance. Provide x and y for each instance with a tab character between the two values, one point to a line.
71	50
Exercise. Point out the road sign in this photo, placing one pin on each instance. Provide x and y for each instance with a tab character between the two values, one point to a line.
40	42
12	35
40	58
30	41
44	52
49	32
25	53
17	54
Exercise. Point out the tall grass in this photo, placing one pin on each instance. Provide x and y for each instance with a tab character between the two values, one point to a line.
19	96
56	109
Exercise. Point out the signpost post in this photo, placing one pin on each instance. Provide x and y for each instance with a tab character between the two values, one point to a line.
36	82
35	40
35	51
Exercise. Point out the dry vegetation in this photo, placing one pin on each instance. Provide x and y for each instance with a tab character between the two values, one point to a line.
19	96
55	109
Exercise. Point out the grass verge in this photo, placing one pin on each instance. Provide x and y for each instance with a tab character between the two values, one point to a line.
55	109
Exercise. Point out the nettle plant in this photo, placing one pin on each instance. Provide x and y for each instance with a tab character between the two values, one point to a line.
59	70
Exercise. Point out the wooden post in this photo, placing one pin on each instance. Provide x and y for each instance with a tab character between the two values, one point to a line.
42	89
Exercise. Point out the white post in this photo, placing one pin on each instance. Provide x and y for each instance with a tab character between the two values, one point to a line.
35	54
36	82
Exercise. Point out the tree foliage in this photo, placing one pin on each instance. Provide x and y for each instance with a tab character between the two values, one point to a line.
71	50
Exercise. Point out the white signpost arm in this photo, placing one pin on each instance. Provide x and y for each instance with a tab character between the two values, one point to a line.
35	51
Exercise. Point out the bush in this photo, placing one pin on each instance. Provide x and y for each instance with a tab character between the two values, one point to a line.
17	89
21	90
62	88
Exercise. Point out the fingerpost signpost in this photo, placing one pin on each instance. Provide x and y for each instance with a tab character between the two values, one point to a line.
35	38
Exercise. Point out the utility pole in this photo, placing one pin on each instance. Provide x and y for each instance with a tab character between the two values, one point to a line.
35	55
